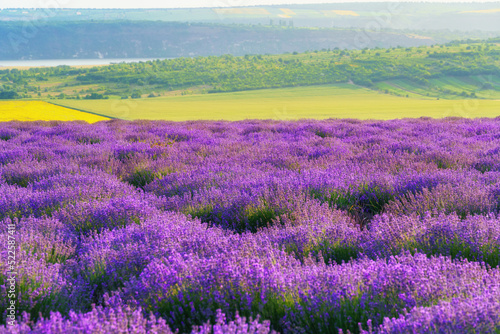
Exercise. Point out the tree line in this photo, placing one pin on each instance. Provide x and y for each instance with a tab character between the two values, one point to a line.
228	73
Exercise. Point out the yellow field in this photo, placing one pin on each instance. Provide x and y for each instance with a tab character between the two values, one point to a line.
340	12
42	111
417	36
484	11
316	102
288	11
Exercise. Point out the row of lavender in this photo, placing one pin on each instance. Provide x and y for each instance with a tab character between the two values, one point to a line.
219	227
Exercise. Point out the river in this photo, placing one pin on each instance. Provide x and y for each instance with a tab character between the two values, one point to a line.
69	62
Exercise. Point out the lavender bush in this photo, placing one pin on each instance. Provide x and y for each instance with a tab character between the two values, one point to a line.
251	227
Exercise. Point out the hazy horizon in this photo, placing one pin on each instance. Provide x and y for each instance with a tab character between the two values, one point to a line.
101	4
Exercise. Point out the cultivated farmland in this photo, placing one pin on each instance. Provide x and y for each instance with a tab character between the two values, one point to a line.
251	227
315	102
42	111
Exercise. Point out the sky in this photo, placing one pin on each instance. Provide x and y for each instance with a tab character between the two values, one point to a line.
168	3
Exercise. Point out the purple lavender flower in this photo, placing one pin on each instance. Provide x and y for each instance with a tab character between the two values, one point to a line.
312	226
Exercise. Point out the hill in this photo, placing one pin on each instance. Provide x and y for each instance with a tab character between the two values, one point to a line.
130	39
455	70
462	17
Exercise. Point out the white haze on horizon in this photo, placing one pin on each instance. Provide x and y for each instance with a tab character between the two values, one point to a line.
183	3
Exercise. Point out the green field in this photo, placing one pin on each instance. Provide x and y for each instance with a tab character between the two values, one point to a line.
315	102
447	87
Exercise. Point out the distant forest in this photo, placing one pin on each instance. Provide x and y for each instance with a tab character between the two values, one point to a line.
460	16
32	34
229	73
126	39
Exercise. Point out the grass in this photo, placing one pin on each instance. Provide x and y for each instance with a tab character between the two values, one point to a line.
450	88
42	111
315	102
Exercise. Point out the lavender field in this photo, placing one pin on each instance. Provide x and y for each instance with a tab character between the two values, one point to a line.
329	226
